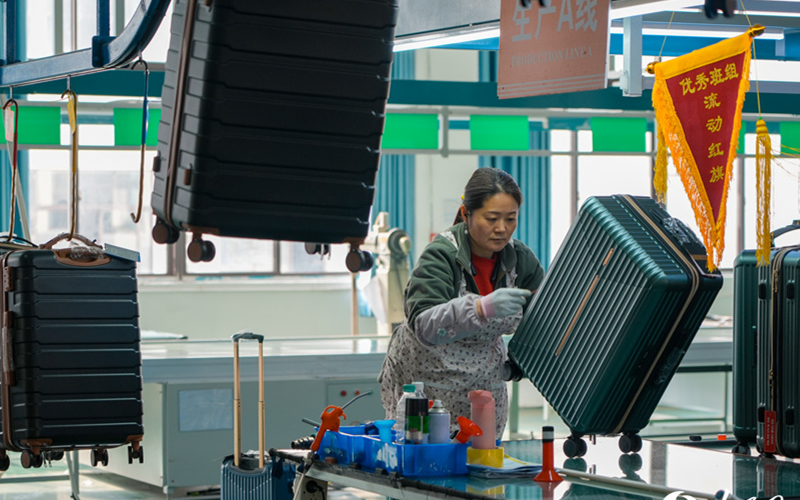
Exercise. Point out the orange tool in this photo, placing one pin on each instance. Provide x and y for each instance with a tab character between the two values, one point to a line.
330	422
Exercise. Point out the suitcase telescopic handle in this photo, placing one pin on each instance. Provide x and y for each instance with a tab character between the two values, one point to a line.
237	398
781	231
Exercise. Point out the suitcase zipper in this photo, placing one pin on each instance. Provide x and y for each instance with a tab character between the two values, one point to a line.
691	266
7	371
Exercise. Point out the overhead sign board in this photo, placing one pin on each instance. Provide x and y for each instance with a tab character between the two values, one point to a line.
554	49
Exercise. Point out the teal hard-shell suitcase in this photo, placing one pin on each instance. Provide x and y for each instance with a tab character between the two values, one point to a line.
618	308
778	379
745	346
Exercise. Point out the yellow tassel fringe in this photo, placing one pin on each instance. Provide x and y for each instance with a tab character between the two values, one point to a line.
763	190
660	173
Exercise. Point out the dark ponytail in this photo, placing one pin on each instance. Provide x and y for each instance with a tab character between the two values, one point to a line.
485	183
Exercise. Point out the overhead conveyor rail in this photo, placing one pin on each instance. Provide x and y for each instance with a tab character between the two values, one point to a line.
107	52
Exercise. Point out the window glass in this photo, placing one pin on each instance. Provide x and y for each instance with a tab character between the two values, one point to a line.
40	20
561	140
560	209
295	259
585	141
108	183
235	256
607	175
785	200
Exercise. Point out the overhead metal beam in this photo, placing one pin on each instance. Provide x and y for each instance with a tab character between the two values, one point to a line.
113	53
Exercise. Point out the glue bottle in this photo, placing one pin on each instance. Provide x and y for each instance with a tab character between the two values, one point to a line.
439	424
400	414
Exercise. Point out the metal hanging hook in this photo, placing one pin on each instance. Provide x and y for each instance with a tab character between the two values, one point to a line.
142	62
136	216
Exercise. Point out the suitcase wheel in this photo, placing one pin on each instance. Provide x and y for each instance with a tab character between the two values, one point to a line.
5	462
164	233
630	443
99	455
741	449
359	260
575	447
132	453
53	456
201	251
28	460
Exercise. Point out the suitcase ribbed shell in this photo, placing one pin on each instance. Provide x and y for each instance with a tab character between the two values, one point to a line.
282	116
613	317
779	349
745	346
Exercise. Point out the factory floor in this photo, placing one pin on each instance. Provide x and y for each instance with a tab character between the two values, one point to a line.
54	484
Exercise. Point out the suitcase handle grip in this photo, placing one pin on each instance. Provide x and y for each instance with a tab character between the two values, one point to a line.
781	231
236	337
63	236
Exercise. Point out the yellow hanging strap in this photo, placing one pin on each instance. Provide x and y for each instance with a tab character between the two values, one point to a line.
763	190
72	111
660	169
11	121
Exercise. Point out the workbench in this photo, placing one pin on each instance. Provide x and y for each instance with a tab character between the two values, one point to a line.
188	395
658	470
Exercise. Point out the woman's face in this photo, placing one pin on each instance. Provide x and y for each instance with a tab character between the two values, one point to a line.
491	226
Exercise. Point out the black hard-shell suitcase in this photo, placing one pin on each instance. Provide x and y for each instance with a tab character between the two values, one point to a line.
71	359
253	475
778	379
745	345
618	308
272	118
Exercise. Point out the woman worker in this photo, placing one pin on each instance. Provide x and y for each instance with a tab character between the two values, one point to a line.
466	291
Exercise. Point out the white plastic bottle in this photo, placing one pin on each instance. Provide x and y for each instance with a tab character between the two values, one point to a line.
420	390
400	415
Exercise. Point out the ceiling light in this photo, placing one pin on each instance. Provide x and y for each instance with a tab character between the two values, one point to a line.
443	38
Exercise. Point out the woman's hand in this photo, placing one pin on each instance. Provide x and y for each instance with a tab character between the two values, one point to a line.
502	302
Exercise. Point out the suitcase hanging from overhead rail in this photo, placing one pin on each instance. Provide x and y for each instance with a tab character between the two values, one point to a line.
272	120
71	362
778	379
614	316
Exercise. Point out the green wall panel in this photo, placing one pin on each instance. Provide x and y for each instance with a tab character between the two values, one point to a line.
499	132
128	127
37	125
790	136
619	134
410	131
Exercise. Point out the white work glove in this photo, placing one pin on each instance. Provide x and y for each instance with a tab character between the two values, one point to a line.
504	302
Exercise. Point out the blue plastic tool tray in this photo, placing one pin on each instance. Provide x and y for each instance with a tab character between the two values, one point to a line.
352	445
